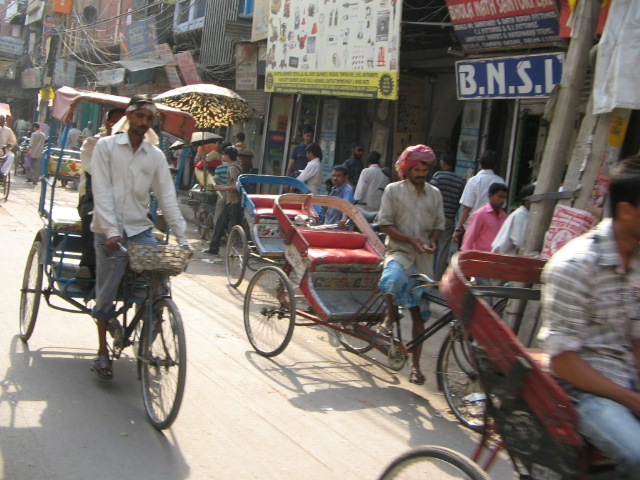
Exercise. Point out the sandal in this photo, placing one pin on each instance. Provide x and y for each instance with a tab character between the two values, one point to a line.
102	365
385	331
416	377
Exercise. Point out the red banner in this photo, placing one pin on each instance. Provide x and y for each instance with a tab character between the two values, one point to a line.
62	6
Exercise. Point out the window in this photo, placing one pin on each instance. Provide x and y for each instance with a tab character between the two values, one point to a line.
189	15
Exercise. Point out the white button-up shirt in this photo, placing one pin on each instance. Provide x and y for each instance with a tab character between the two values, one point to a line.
312	176
121	181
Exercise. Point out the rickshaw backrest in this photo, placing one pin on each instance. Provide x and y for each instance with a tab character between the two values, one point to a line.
532	413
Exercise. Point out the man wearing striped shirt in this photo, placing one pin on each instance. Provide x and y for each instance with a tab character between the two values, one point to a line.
451	187
591	329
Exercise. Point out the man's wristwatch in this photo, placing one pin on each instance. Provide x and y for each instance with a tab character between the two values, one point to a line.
458	230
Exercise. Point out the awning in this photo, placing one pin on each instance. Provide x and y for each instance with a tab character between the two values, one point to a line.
141	64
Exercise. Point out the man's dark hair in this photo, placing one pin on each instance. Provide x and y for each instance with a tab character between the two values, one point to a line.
111	113
526	191
340	168
36	126
240	136
625	184
450	159
141	98
232	152
307	129
497	187
224	145
488	160
315	149
374	158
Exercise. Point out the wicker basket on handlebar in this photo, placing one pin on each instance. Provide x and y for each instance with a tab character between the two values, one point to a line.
168	259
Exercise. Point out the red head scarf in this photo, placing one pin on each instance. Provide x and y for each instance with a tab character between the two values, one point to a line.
412	156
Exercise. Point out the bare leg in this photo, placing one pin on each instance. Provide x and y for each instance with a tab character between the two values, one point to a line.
417	328
392	312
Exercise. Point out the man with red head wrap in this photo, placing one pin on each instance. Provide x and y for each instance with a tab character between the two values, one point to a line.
412	216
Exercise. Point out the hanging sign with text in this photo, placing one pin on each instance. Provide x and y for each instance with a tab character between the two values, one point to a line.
509	77
498	24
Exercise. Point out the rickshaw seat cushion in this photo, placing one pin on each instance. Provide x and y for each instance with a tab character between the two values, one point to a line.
342	255
264	207
338	247
66	218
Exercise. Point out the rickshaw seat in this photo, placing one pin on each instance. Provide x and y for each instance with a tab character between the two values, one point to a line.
65	218
337	247
264	207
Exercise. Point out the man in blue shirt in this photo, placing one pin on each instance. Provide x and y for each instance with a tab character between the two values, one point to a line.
341	189
298	160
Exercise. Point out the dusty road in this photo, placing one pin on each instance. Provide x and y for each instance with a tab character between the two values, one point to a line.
313	412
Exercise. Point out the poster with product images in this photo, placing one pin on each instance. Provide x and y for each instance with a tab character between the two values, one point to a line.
349	49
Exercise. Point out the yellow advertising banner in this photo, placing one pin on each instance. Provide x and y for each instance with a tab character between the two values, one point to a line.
347	49
62	6
362	84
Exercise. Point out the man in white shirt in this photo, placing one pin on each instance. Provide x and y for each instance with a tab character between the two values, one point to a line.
73	137
36	147
511	235
7	141
371	183
476	191
312	173
124	168
88	130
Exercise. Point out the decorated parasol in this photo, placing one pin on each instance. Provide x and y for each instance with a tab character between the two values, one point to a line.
211	106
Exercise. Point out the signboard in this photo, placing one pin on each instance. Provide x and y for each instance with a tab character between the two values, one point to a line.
567	223
30	78
110	77
246	67
188	68
260	24
62	6
349	50
172	76
166	54
138	38
509	77
498	24
64	73
11	45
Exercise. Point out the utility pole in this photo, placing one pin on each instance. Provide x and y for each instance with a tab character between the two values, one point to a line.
565	113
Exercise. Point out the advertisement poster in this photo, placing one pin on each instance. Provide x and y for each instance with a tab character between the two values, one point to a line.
567	223
468	142
498	24
347	49
246	67
138	38
327	140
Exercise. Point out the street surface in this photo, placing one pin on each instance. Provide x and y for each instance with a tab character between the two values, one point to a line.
313	412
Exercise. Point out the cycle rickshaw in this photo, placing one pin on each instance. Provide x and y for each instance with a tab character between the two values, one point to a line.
528	414
329	278
259	234
155	329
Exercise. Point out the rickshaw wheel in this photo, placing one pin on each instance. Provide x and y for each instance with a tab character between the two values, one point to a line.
237	256
31	291
459	380
269	311
396	357
202	224
6	186
353	344
163	363
433	462
211	225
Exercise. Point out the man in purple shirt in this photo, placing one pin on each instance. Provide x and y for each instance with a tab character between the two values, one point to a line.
486	221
